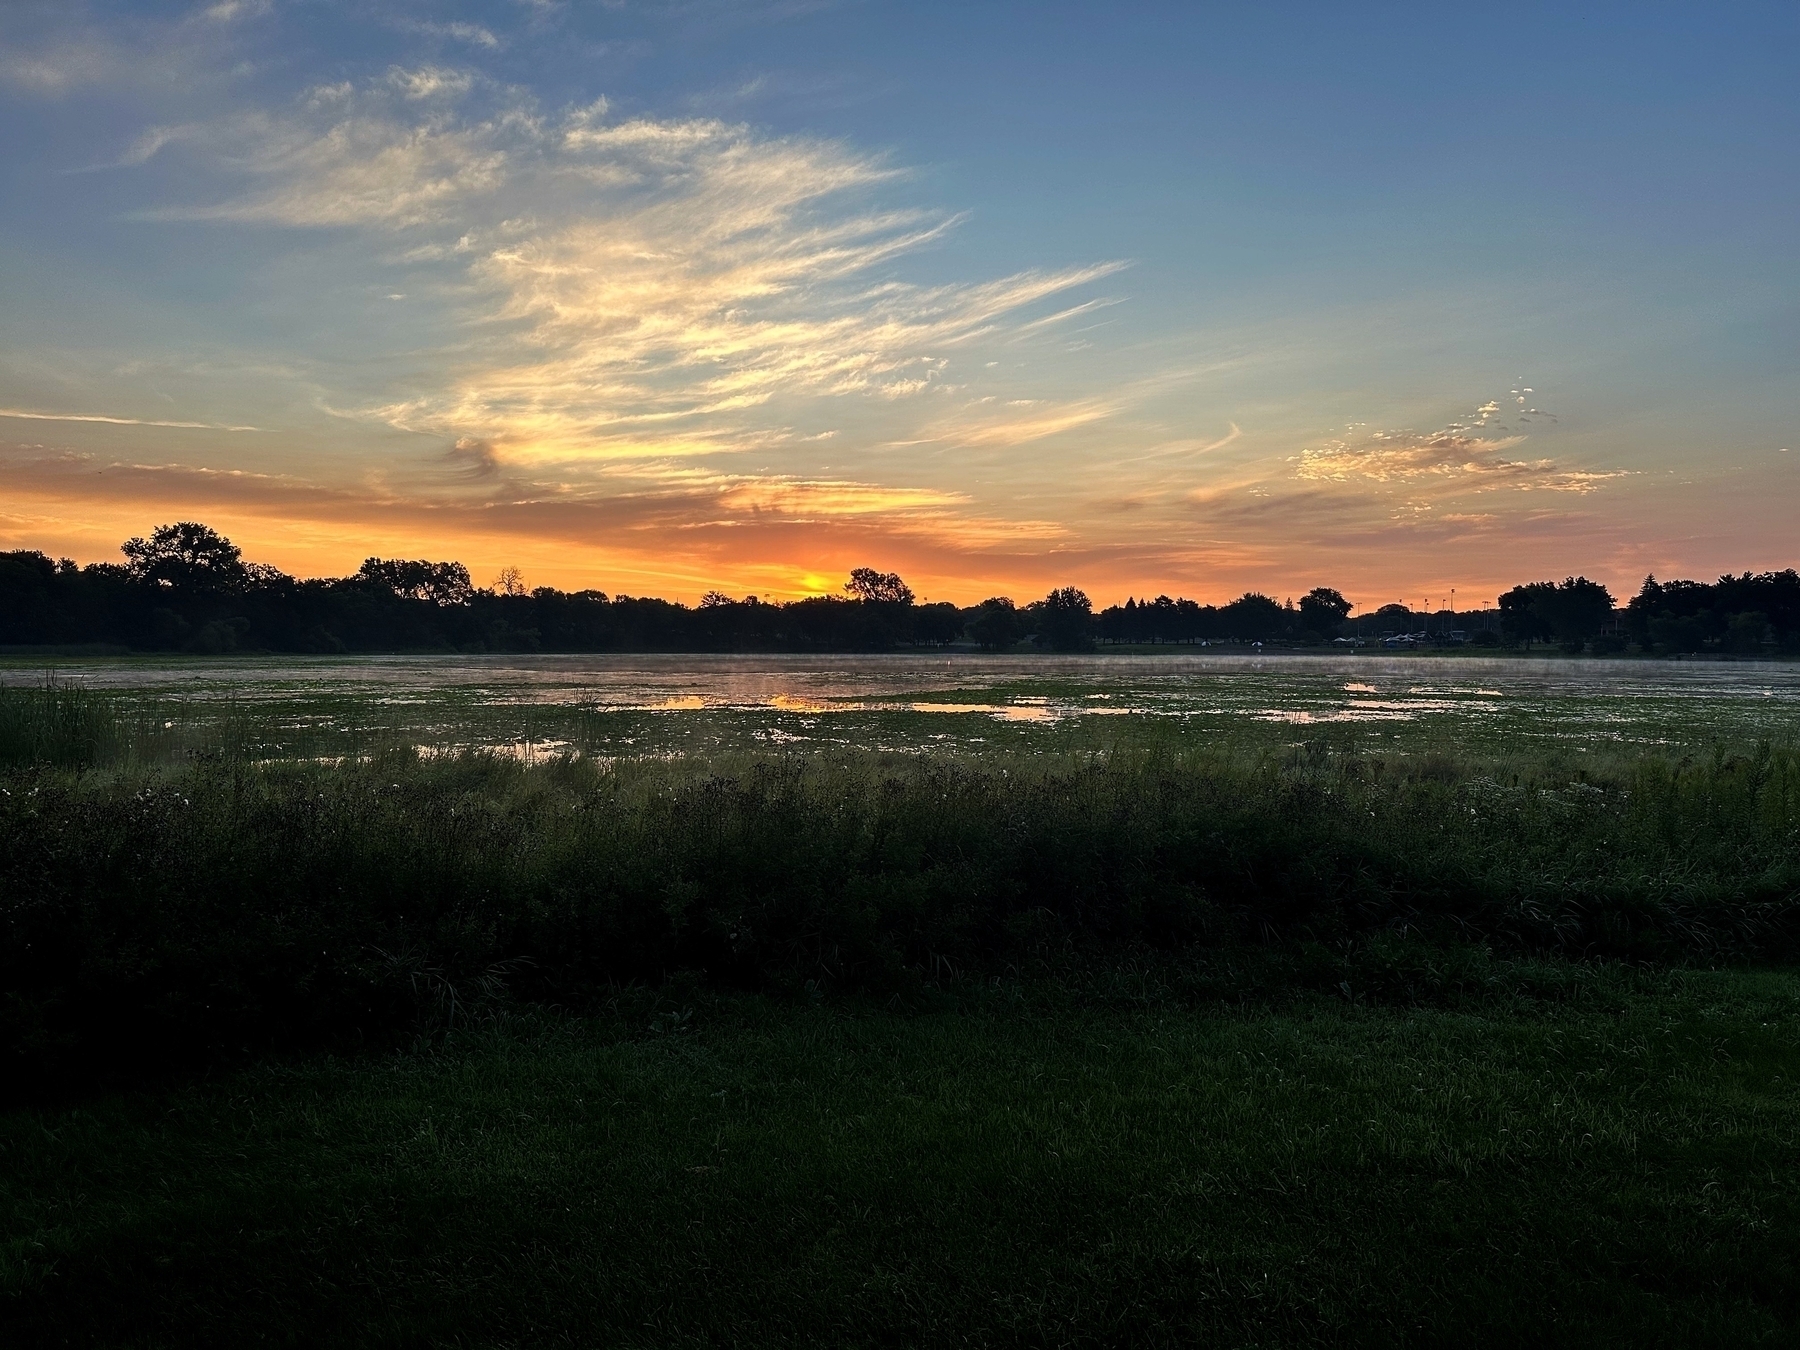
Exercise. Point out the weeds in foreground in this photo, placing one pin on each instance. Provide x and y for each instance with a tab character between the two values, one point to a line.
230	906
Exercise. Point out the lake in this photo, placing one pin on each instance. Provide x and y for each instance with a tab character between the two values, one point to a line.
691	704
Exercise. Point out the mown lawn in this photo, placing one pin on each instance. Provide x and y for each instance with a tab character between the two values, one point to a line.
1010	1171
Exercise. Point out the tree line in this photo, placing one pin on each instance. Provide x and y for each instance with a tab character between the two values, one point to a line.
187	588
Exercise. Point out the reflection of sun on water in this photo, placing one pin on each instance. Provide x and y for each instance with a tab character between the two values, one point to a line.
1358	714
1009	712
798	703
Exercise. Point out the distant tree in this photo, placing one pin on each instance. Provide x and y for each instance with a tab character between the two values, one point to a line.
511	581
716	600
1397	618
187	555
266	575
1749	631
872	587
1119	623
1577	610
1520	618
1750	613
1253	617
997	624
936	624
1571	612
1678	633
442	583
1066	620
1323	611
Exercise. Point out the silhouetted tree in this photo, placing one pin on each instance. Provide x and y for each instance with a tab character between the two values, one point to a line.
870	586
1748	613
187	587
1253	618
186	555
1571	612
997	624
440	583
1323	611
1066	620
936	624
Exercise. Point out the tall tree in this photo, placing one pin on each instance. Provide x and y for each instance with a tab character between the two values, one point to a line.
872	587
1572	612
1066	619
1253	617
997	624
442	583
186	555
1323	611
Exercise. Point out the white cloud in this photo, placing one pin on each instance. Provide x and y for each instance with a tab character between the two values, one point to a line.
1389	456
227	10
472	33
1465	454
143	149
358	170
642	287
29	416
430	82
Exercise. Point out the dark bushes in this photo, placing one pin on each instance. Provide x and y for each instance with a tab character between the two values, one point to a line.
225	908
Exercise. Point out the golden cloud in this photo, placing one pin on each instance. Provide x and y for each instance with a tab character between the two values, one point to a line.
1452	458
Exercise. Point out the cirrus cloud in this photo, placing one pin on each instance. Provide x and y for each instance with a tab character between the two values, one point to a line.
629	288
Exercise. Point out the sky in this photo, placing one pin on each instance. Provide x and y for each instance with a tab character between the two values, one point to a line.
682	295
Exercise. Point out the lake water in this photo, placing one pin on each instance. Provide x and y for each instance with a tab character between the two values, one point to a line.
688	703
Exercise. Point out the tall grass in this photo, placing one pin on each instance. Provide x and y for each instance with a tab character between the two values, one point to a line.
58	723
226	905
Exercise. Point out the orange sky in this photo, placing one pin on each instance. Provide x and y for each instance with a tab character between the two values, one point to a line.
1378	541
342	293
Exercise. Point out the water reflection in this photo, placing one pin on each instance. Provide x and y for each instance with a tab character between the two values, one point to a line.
446	701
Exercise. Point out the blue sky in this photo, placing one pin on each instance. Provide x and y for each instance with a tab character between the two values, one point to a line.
654	297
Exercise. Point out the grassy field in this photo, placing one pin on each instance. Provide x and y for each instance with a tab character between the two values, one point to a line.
1614	1167
752	1007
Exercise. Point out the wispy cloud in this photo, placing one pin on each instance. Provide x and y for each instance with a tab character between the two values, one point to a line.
228	10
425	82
142	150
640	288
57	69
1020	425
1464	454
472	33
1389	456
26	415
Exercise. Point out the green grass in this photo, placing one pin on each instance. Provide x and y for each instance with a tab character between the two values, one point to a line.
1176	1029
172	916
1011	1171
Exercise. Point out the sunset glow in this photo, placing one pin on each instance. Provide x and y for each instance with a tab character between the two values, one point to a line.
660	299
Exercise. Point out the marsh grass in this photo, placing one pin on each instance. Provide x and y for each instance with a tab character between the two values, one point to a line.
229	906
58	723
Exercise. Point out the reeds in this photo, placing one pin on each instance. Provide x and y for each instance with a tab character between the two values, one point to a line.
235	905
57	723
